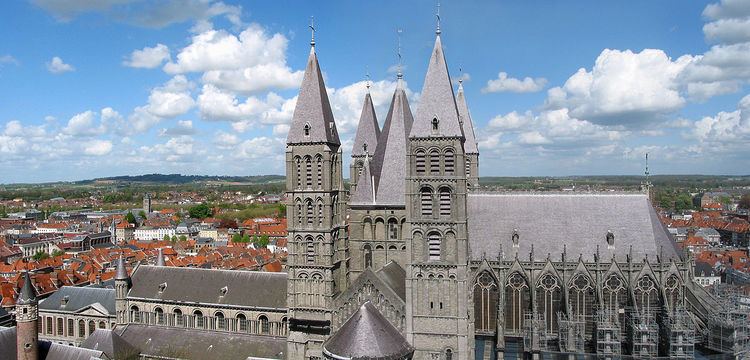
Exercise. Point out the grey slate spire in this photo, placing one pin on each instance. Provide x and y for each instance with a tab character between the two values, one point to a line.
365	192
160	258
470	146
312	121
122	272
389	162
437	100
28	294
368	130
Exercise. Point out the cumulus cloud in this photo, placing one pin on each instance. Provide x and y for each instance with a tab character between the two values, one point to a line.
171	99
217	105
225	140
97	147
176	149
148	57
183	127
346	102
58	66
85	124
503	83
725	127
8	59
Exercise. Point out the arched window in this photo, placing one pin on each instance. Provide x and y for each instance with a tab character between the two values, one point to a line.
283	325
392	229
310	250
178	319
581	302
242	321
221	323
60	326
646	295
420	160
319	161
485	303
516	303
435	123
135	314
308	172
548	301
426	201
306	129
199	319
673	291
102	325
264	325
309	213
299	212
468	167
445	201
448	354
92	326
159	315
81	329
614	293
320	212
450	162
49	325
298	162
434	162
71	328
433	240
367	229
368	255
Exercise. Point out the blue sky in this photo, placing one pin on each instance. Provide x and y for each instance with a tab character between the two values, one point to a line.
125	87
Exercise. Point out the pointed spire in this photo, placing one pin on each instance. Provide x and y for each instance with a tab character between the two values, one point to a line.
28	294
313	121
122	272
467	125
437	114
160	258
365	192
368	130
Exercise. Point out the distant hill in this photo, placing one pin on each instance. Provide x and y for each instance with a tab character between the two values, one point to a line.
186	179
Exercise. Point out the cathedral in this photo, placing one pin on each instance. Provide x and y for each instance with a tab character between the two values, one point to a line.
414	260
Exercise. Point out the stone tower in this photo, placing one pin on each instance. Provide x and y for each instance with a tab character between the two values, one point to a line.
365	141
27	317
316	266
437	321
147	203
470	145
122	285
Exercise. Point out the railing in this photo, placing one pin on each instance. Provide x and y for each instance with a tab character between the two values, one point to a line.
244	326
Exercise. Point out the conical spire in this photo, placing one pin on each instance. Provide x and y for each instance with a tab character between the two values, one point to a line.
388	162
368	130
160	258
313	121
28	294
470	146
122	272
365	192
437	114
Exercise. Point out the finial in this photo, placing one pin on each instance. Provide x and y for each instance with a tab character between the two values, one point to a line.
399	75
312	31
437	15
367	82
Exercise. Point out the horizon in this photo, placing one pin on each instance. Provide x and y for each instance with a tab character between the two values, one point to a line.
136	88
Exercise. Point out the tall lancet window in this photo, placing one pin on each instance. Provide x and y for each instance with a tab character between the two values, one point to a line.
420	162
299	172
434	162
548	301
468	167
426	201
450	162
516	303
320	212
433	242
309	213
319	161
368	256
485	303
308	172
445	201
299	212
310	250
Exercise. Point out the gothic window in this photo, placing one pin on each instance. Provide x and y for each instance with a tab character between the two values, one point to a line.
159	315
307	129
434	162
420	162
582	301
221	323
308	172
548	301
615	299
485	303
242	321
392	229
435	124
81	329
433	240
368	255
320	212
450	162
135	314
264	325
178	319
309	213
516	302
71	327
367	229
198	319
426	201
310	250
283	325
298	162
646	298
445	201
319	161
673	291
299	212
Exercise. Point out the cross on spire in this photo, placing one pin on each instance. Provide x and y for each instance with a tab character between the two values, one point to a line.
367	82
437	15
399	75
312	30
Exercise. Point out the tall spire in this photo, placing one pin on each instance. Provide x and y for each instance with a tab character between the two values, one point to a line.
122	272
313	121
470	145
27	294
365	192
368	130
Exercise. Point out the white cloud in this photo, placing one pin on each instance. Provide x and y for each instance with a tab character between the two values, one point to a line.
225	140
58	66
176	149
171	99
183	127
85	125
148	57
533	138
346	102
216	104
503	83
260	148
725	127
97	147
511	120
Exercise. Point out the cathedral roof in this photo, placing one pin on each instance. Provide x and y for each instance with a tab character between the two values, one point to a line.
389	162
364	194
368	130
470	146
367	335
395	277
27	294
555	222
437	100
313	109
111	344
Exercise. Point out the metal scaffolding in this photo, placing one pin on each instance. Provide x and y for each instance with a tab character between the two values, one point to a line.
643	334
535	335
608	337
571	332
679	331
728	330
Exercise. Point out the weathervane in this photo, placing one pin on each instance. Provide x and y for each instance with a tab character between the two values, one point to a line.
312	30
367	77
399	75
461	76
437	15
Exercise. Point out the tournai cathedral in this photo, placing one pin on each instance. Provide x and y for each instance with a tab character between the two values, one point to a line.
414	260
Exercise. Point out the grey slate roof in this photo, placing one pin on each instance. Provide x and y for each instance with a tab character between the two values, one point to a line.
67	352
111	344
27	294
197	344
389	162
367	335
364	193
122	271
437	100
80	298
549	221
368	130
194	285
160	258
395	277
470	146
314	108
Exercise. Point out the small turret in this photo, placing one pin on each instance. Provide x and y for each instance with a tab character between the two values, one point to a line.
122	285
27	318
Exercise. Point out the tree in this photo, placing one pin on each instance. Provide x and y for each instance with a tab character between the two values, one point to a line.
3	212
40	256
142	214
130	218
282	210
725	200
200	211
237	238
745	201
261	242
166	237
183	238
174	238
245	238
57	253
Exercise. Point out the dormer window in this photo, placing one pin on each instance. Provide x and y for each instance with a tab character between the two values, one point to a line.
307	129
515	238
223	291
162	287
65	300
610	239
435	125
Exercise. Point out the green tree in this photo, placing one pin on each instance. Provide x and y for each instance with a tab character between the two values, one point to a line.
166	238
744	201
40	256
130	218
57	253
683	202
174	238
282	210
246	238
142	214
183	238
3	212
237	238
200	211
725	200
262	242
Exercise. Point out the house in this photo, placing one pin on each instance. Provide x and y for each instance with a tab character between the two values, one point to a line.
711	235
149	233
72	313
705	274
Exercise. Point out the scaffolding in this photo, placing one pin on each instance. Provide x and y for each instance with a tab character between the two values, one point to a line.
608	337
679	330
572	333
535	335
643	334
728	330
